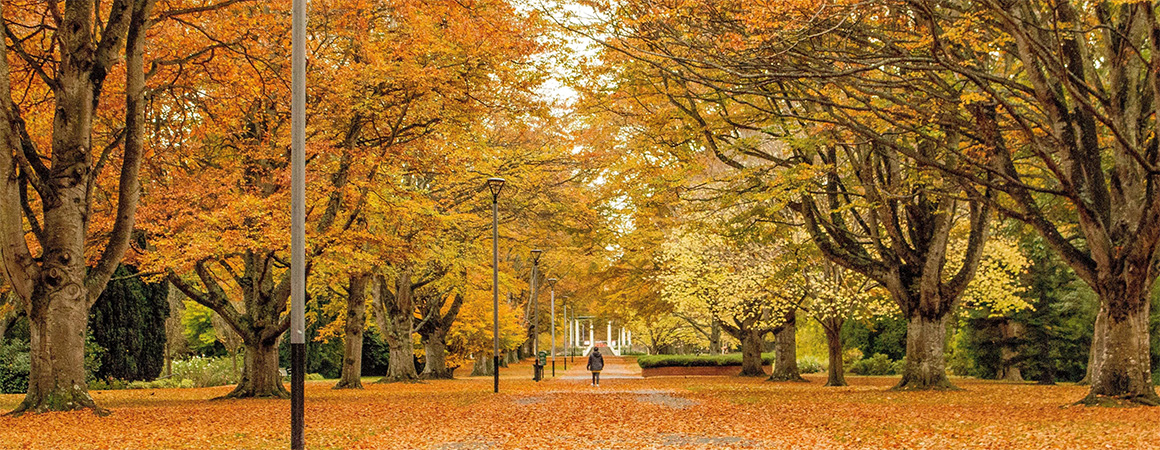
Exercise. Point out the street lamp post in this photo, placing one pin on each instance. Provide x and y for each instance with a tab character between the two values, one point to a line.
567	336
536	253
495	185
552	284
298	225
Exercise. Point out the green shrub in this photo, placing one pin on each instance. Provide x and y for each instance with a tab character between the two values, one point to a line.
15	364
732	359
314	377
878	364
810	364
851	356
205	371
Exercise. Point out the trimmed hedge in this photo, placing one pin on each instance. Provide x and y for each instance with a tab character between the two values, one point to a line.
732	359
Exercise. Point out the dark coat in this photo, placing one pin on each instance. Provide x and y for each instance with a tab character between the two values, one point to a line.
595	361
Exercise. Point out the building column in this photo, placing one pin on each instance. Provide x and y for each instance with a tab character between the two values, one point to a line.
609	334
591	333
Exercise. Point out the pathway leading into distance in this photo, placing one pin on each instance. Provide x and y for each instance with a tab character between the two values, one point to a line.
615	368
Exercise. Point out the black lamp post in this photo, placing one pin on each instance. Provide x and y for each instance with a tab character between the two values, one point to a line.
536	254
495	185
552	284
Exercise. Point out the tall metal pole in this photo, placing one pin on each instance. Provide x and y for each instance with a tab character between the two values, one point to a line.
495	289
495	185
535	313
553	314
567	338
298	227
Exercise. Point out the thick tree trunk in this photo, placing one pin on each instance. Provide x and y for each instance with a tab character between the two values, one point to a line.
925	363
835	373
260	375
57	377
353	336
751	364
396	316
483	367
785	366
1008	356
1121	358
435	348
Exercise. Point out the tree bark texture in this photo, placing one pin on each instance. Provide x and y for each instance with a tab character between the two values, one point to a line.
785	366
395	315
352	349
925	361
1010	333
433	331
835	372
751	343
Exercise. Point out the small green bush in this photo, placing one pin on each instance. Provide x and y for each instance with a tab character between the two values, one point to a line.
810	364
15	365
878	364
732	359
314	377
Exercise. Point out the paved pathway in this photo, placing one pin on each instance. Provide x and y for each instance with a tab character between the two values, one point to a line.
615	367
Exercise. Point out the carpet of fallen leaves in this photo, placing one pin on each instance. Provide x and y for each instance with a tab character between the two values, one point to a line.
624	413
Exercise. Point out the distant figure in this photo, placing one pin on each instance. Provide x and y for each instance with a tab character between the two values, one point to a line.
595	364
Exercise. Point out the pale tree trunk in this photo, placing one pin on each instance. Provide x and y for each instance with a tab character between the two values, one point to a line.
1010	331
395	314
835	372
925	361
751	343
785	366
1121	356
353	336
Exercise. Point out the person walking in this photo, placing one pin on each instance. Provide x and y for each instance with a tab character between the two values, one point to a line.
595	364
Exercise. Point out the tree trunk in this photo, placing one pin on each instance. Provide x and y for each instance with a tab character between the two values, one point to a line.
435	347
1009	330
925	364
483	367
751	364
56	380
785	366
353	337
260	375
1121	358
714	337
835	373
396	316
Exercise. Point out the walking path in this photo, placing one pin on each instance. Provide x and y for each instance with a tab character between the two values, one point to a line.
615	367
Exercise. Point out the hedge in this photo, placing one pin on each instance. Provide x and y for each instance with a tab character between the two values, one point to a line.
732	359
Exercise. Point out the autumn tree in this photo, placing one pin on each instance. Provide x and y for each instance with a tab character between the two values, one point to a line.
78	126
734	284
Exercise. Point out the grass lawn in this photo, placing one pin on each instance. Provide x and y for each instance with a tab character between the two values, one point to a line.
697	412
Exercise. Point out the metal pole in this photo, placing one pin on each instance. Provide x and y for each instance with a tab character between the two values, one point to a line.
535	319
298	227
553	330
567	339
495	285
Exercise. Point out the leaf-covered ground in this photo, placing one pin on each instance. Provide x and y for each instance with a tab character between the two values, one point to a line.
624	413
